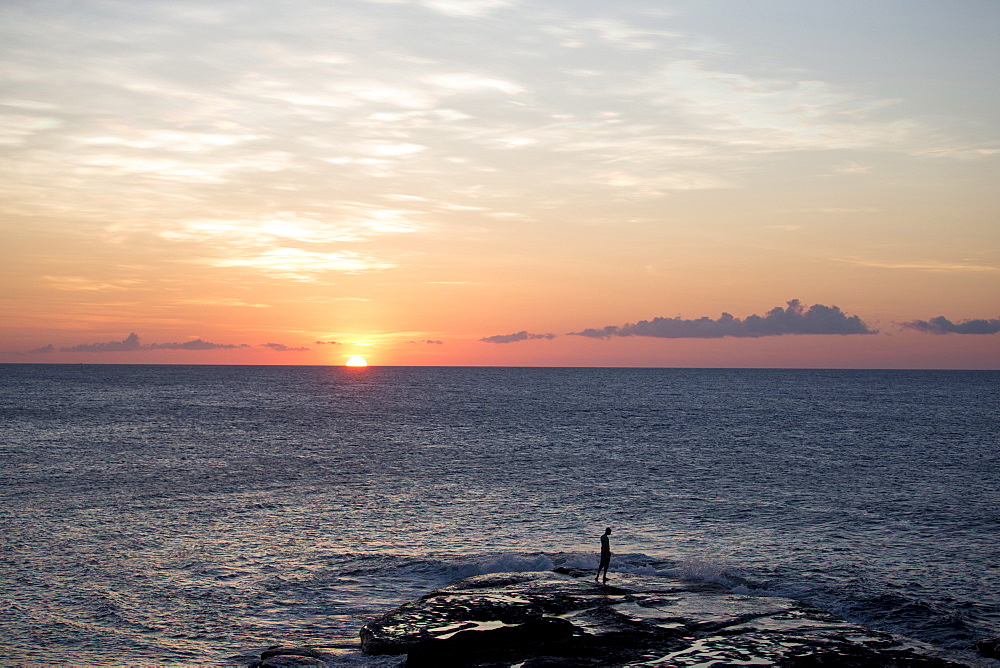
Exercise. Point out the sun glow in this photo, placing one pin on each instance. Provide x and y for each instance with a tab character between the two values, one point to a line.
356	360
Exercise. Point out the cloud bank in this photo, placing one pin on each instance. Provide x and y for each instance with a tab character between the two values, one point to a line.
795	319
131	343
128	344
282	348
517	336
941	325
196	344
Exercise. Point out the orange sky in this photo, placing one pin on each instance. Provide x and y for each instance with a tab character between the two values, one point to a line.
495	182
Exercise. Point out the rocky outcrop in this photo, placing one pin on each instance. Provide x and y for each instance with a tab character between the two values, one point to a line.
285	656
556	619
989	647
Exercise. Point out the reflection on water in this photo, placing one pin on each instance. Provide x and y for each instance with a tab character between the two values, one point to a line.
183	513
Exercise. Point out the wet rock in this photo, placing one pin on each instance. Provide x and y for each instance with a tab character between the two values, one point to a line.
279	656
543	634
988	647
555	619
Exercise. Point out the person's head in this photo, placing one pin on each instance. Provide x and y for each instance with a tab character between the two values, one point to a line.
607	532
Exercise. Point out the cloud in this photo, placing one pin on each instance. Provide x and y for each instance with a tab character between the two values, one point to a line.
833	210
128	344
295	264
282	348
195	344
941	325
314	106
851	167
465	8
222	302
328	343
518	336
796	319
927	265
434	342
131	343
43	350
455	8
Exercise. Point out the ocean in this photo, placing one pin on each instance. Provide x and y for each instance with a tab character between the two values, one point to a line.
189	515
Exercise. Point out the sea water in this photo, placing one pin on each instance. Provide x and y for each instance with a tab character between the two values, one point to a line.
188	514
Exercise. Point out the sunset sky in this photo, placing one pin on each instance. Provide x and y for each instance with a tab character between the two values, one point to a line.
672	183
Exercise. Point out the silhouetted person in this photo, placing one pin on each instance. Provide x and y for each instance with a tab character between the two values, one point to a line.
605	555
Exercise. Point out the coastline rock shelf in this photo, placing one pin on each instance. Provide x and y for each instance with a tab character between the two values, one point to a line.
564	618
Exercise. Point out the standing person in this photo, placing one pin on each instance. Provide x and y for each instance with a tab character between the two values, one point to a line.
605	556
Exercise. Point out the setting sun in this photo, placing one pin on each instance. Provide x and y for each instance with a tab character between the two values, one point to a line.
356	360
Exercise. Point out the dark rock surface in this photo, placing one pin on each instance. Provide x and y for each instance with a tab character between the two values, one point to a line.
555	619
989	647
284	656
290	656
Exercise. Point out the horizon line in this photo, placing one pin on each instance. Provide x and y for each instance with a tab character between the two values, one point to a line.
505	366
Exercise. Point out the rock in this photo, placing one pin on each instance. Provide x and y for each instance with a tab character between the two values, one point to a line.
539	620
542	634
278	650
988	647
278	656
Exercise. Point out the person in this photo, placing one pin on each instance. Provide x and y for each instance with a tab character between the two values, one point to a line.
605	556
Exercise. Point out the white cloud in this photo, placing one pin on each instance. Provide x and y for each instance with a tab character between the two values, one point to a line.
391	150
16	128
348	124
291	246
657	184
466	8
84	284
748	114
462	81
170	140
923	265
295	264
582	34
832	210
851	167
356	222
223	302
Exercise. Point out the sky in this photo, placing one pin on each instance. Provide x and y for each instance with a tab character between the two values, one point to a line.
639	183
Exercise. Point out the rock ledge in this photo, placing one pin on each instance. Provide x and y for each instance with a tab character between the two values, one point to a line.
556	619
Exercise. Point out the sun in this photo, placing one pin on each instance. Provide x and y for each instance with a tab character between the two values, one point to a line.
356	360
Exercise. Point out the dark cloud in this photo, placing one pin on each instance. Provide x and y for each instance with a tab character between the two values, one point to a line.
195	344
941	325
43	350
328	343
433	342
519	336
796	319
282	348
129	344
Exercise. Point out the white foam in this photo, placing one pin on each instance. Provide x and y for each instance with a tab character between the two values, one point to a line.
506	563
705	570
